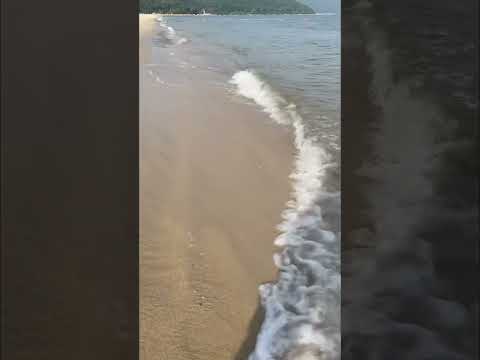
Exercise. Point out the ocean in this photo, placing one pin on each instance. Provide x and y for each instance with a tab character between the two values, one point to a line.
287	66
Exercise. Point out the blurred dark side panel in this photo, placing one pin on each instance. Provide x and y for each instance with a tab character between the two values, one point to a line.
409	179
69	180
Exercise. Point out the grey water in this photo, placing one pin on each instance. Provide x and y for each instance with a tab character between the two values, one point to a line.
297	55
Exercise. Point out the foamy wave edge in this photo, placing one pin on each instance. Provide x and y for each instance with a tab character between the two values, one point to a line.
302	309
170	32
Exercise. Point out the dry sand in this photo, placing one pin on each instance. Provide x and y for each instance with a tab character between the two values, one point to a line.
213	183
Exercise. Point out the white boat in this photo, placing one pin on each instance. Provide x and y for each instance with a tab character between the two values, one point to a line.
204	13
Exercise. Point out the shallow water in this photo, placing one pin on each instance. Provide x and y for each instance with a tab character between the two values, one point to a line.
298	56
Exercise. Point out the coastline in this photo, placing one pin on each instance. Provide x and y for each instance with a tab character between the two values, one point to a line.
214	179
242	14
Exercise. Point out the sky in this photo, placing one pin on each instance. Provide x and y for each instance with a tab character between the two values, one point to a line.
323	5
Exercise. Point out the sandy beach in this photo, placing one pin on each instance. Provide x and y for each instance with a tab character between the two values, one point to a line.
213	183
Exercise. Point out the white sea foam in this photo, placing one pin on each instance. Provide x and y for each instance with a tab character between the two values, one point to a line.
302	308
182	41
169	32
251	87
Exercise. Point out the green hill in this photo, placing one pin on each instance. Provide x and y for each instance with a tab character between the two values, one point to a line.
223	7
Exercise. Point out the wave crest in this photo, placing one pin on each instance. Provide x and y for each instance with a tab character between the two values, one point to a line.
302	308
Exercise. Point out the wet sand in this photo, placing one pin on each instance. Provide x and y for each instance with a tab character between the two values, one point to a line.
213	183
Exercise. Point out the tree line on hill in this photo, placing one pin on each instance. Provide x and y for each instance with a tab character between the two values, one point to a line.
224	7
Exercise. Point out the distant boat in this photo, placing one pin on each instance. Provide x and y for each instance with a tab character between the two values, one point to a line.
203	13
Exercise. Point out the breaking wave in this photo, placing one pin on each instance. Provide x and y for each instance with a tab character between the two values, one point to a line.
168	34
302	309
